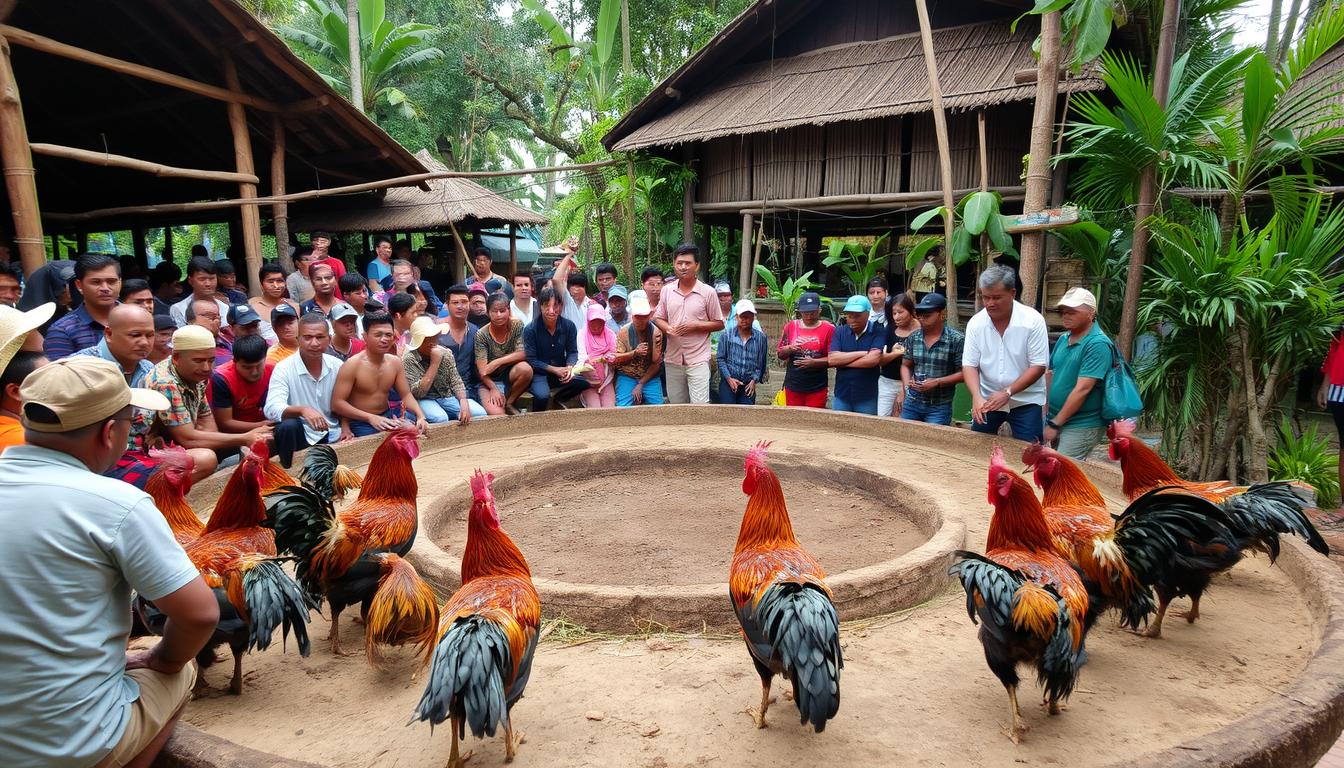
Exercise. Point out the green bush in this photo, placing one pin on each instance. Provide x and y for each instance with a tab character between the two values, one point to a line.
1307	459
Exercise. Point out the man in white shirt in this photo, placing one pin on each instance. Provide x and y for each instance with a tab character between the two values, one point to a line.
1006	353
572	288
203	278
299	398
524	305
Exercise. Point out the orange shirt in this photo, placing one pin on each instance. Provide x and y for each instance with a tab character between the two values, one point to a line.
11	432
279	353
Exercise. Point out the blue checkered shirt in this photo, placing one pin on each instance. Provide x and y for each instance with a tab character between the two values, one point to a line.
742	360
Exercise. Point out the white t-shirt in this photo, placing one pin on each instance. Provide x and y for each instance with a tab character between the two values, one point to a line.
527	315
1002	359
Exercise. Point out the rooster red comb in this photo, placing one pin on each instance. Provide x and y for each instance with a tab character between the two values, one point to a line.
1033	453
174	456
996	460
261	449
482	486
1120	428
756	455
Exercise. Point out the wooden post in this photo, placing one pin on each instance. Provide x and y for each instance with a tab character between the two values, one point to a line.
944	157
755	260
138	242
984	185
1038	161
513	251
1138	254
461	250
82	242
352	30
279	211
167	254
242	154
20	178
743	278
688	200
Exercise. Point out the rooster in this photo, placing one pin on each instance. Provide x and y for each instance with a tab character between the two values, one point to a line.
1256	516
168	486
236	555
1027	598
355	556
324	473
1120	559
488	636
782	602
273	476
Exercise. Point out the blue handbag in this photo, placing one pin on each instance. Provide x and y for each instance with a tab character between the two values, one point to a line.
1120	398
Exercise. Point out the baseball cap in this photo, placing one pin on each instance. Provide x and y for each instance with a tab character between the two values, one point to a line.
80	391
618	291
858	303
809	302
424	328
373	305
639	304
596	312
477	288
192	338
15	325
243	314
283	310
1078	297
932	302
164	323
744	305
341	310
722	286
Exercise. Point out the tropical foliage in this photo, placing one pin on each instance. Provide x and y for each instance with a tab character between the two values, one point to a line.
1306	458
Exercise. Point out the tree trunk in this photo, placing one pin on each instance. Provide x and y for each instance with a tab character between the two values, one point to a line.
356	70
1272	38
1038	161
1289	30
1257	453
628	244
944	158
602	233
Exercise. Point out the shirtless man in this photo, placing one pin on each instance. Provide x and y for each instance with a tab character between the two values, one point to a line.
272	296
360	397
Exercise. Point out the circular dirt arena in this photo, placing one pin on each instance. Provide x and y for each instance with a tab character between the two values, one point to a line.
881	503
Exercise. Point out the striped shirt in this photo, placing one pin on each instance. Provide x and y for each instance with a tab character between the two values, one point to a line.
740	359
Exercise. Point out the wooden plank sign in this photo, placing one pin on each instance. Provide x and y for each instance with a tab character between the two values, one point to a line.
1050	218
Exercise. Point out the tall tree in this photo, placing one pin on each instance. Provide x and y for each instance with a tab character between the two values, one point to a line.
352	40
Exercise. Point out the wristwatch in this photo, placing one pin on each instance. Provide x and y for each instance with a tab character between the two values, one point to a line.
1008	391
1051	424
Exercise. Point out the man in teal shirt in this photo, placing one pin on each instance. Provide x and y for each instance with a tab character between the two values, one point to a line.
1078	366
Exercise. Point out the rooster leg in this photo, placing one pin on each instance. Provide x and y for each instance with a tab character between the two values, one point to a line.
759	714
454	759
1192	615
1018	728
335	636
1154	629
236	684
511	741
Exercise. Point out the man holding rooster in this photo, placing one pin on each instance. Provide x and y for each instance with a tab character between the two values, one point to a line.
82	698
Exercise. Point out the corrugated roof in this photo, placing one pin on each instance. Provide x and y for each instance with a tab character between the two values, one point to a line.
415	209
858	81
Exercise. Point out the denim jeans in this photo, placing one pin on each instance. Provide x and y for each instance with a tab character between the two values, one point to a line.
916	409
625	387
447	409
868	406
1026	421
728	397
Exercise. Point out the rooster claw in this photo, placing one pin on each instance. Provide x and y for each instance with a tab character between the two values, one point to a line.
461	760
757	717
788	696
1014	734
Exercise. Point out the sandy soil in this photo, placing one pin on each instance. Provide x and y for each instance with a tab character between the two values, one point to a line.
916	691
623	532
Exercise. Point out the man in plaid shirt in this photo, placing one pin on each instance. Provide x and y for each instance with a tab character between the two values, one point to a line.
932	366
741	357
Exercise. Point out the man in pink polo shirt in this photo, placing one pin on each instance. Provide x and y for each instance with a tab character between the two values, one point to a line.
687	313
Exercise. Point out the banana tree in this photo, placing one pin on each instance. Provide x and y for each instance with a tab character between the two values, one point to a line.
859	265
977	216
390	55
595	61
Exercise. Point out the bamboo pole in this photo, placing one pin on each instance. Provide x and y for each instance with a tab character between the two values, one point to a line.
20	178
138	242
279	211
134	164
1138	253
744	262
984	187
755	258
27	39
513	250
461	250
313	194
944	157
242	154
688	200
1038	161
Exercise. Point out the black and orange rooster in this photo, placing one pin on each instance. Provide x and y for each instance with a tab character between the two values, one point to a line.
169	485
1120	559
236	555
782	603
1029	601
488	635
273	476
354	557
1256	515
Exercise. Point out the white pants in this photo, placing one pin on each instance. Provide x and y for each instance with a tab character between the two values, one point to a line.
687	383
887	390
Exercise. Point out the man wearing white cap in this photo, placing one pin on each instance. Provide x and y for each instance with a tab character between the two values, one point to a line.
1078	365
431	373
741	355
16	364
82	697
639	356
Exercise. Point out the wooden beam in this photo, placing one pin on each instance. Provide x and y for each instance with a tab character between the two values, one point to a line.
743	279
845	201
242	154
313	194
27	39
513	250
20	178
134	164
279	211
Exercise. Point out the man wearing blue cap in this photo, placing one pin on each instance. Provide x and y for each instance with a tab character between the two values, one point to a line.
932	365
856	350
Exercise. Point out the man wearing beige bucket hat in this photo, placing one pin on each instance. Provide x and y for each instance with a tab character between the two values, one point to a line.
16	364
82	698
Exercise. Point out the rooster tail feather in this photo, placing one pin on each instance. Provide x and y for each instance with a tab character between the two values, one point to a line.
990	587
466	678
303	522
274	600
403	611
319	470
801	625
1057	668
1268	509
345	481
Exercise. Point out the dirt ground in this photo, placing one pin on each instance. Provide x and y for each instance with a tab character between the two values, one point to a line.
637	531
915	692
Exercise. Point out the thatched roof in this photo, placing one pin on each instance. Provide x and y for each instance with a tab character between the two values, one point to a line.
415	209
857	81
328	142
1327	73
